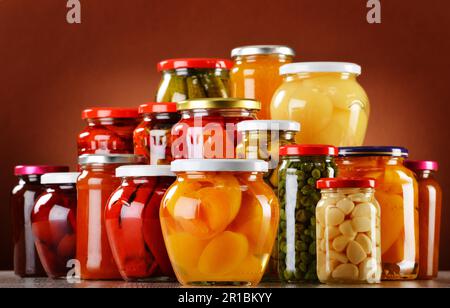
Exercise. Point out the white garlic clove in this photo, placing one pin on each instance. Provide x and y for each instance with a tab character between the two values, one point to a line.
334	216
345	205
365	242
346	229
346	272
361	224
355	252
338	256
363	210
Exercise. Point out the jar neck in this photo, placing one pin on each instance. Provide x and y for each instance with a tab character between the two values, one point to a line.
62	187
195	71
337	76
143	180
29	179
425	174
187	114
111	121
285	137
368	160
346	191
251	176
161	116
309	158
275	58
103	168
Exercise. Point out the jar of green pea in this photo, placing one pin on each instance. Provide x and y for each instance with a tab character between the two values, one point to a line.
301	167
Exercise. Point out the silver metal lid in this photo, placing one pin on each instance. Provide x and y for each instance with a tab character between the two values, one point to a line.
216	165
60	178
144	171
92	159
262	50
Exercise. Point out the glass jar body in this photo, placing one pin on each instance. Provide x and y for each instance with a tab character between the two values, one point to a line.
23	197
107	136
152	138
134	229
298	197
188	83
54	228
397	194
348	236
208	133
332	107
258	77
219	227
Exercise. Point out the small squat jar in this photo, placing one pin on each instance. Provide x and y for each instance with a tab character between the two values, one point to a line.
301	167
54	222
95	185
108	131
207	129
348	231
430	207
23	197
219	221
152	138
133	226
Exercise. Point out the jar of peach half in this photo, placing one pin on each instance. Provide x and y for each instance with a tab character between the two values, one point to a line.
398	195
219	221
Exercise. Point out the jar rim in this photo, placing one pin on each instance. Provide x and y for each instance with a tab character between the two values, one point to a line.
268	125
60	178
308	150
320	67
253	50
211	63
153	107
225	165
109	112
144	171
353	182
219	103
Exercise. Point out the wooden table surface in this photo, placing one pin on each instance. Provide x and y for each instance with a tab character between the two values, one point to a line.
9	280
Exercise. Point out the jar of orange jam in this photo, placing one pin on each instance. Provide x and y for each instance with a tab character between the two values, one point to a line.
255	73
95	185
398	195
219	221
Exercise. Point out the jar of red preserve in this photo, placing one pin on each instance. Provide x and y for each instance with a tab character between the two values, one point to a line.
23	197
109	131
95	185
152	137
54	222
133	226
207	128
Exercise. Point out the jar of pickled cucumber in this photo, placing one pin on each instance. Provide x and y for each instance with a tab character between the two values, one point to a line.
348	231
301	167
184	79
327	99
398	194
219	221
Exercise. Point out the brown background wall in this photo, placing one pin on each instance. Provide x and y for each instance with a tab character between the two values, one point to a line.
50	70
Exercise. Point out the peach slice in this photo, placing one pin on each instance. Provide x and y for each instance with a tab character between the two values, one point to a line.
392	218
185	249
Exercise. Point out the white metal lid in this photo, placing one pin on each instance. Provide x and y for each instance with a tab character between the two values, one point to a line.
231	165
320	67
262	50
268	125
92	159
60	178
144	171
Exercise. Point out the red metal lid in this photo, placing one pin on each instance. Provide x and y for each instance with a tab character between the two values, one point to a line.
38	169
421	165
346	183
172	64
109	112
157	108
308	150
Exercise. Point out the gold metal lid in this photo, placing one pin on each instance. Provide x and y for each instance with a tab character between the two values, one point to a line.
219	103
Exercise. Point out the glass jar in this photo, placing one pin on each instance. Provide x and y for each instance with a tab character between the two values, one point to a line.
23	197
152	138
219	221
261	139
397	193
326	98
108	131
184	79
95	185
54	222
133	226
255	74
348	231
430	206
301	167
207	128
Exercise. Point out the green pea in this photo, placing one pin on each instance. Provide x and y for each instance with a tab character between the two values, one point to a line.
302	216
311	182
312	248
316	174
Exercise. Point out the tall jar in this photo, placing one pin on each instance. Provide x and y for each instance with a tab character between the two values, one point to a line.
348	231
301	167
109	130
327	99
191	78
95	185
152	138
207	128
133	226
255	74
23	197
398	194
219	221
54	222
430	207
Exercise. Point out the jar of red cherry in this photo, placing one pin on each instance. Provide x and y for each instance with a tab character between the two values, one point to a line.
53	222
207	128
152	138
133	226
108	131
23	197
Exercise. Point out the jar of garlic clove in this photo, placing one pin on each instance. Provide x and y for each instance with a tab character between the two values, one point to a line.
348	231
